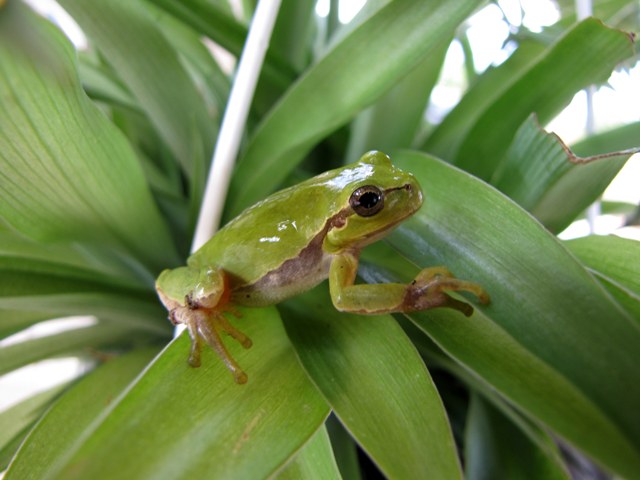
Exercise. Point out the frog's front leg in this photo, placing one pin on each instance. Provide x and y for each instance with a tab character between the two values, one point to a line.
426	291
199	299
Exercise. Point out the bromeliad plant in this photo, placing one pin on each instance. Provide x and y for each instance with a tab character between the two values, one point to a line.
104	154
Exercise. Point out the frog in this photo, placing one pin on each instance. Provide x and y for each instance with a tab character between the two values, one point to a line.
296	238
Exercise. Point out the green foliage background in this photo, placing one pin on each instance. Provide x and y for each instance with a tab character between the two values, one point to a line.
103	157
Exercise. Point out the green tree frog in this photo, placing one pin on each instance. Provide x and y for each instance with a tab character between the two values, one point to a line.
293	240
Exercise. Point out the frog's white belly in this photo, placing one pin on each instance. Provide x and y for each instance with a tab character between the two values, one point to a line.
291	278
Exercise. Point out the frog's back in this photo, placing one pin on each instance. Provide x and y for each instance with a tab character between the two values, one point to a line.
261	238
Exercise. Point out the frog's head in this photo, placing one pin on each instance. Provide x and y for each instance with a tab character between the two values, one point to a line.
376	196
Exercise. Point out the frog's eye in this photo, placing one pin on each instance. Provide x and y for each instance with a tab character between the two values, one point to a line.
367	201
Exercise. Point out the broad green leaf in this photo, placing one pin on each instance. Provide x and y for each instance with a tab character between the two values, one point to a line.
70	342
543	83
16	421
359	69
615	262
61	427
314	461
131	43
496	448
546	178
67	173
178	421
377	385
551	341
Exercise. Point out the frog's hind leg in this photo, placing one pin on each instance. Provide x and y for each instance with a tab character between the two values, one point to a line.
208	324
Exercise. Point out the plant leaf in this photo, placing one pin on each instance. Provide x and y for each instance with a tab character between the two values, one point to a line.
544	83
60	289
12	321
405	104
74	412
546	178
210	426
549	322
217	23
446	138
16	421
344	449
377	385
615	262
65	343
495	448
314	461
67	173
348	78
624	137
148	65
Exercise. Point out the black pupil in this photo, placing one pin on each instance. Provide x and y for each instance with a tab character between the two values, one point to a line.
369	199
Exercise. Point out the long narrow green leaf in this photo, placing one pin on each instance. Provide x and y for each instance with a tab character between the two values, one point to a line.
16	421
495	448
218	24
445	140
585	55
393	121
616	263
61	289
344	449
552	341
73	413
624	137
546	178
12	321
71	342
314	461
129	40
67	173
377	386
436	358
359	69
293	32
543	83
210	427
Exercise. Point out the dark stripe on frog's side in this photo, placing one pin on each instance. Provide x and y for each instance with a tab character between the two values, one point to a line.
303	272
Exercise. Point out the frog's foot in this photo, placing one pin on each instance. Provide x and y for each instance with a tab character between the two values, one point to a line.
207	324
428	291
